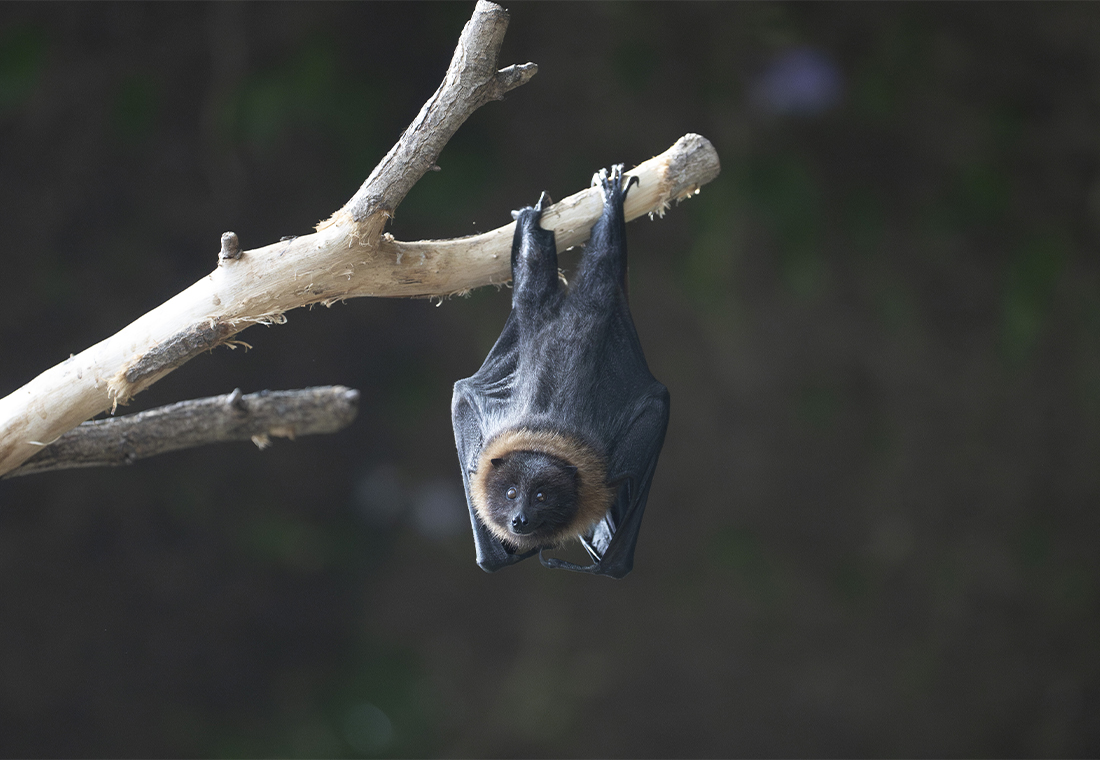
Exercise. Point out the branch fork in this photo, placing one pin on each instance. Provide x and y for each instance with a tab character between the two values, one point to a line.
348	256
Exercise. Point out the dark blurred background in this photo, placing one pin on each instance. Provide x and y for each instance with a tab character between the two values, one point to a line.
874	528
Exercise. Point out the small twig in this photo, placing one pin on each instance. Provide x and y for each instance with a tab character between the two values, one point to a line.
471	81
232	417
257	286
231	247
347	257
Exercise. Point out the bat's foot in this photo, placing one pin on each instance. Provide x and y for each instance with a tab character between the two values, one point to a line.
610	183
535	212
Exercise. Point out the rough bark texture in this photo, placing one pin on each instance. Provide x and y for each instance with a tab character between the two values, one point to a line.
347	257
231	417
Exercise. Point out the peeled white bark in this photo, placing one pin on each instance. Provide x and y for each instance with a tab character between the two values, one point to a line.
347	257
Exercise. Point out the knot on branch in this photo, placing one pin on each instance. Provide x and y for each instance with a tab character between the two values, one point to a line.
512	77
231	247
235	402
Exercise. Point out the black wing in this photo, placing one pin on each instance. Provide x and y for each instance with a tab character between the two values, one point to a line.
611	541
476	402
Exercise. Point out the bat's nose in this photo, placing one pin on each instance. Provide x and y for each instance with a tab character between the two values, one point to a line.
521	523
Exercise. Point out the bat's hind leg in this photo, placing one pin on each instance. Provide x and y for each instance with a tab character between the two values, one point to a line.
534	255
605	253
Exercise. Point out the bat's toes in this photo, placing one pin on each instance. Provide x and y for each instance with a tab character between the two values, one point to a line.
533	212
600	180
616	179
610	182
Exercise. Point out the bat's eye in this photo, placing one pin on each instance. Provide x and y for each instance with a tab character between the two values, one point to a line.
511	493
540	496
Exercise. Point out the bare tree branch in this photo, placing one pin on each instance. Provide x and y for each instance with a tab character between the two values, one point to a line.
217	419
472	80
439	267
347	257
257	286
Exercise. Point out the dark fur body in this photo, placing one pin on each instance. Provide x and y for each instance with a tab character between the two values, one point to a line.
567	378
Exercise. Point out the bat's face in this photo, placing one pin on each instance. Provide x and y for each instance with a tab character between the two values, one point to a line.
532	499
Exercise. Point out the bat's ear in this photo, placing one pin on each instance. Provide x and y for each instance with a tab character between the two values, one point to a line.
497	462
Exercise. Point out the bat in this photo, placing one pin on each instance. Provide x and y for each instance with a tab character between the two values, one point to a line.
559	432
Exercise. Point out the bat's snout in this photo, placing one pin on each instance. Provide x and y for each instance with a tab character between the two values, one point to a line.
522	524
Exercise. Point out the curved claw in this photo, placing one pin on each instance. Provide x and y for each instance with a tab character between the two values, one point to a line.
543	202
611	181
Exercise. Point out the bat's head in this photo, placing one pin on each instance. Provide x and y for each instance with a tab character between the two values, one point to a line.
535	489
531	499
